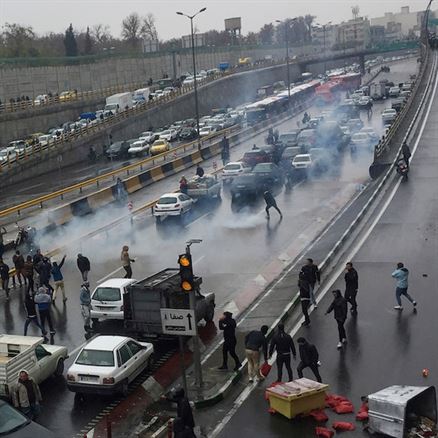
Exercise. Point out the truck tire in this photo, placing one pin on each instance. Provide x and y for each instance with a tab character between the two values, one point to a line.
59	368
209	314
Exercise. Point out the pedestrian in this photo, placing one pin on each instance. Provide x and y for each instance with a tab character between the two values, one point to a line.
183	185
58	278
83	266
28	274
351	286
4	276
18	261
255	341
199	171
309	357
304	290
43	302
401	274
26	395
284	345
406	153
228	325
225	150
2	243
339	307
31	315
37	258
270	203
312	275
126	261
180	430
85	300
184	410
44	269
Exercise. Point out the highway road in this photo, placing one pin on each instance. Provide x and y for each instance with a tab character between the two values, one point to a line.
385	346
238	245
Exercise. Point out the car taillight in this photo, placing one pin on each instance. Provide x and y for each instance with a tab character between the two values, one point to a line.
108	380
71	378
177	205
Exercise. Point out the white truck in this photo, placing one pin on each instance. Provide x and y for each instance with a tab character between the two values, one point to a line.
118	102
377	91
206	186
29	353
141	94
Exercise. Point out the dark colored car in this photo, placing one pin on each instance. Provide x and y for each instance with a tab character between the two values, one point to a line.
14	424
268	175
244	186
255	156
119	149
188	134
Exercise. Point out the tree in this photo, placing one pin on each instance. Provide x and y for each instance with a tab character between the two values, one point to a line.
148	29
71	47
101	34
131	29
266	34
17	40
308	20
355	11
88	49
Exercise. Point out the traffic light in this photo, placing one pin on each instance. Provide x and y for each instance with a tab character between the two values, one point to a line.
186	272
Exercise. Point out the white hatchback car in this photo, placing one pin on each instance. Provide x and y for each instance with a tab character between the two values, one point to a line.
107	299
108	364
302	161
172	204
234	169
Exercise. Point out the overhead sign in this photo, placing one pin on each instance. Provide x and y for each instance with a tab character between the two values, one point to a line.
179	322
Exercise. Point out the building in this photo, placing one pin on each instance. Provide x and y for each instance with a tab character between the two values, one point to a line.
408	22
328	32
354	32
377	34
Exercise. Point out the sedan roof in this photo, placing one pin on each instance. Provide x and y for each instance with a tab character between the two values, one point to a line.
105	342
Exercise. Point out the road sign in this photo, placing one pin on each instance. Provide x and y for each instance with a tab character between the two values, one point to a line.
179	322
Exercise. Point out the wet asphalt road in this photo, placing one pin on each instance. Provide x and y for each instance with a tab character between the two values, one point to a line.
237	245
385	346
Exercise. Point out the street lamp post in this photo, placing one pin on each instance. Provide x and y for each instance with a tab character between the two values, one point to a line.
191	17
324	27
286	35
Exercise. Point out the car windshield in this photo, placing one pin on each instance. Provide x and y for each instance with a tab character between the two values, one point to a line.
263	167
167	200
98	358
159	143
301	159
165	132
107	294
232	167
10	419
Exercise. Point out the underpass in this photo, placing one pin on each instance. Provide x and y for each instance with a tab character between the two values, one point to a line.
241	252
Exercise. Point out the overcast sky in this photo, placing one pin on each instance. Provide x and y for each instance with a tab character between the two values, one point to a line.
56	15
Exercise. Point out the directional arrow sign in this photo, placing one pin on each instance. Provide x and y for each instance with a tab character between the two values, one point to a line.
179	322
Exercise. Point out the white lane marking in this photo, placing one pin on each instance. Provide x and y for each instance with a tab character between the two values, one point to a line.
248	390
198	219
112	273
199	259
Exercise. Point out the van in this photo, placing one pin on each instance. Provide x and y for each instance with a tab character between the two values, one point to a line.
107	299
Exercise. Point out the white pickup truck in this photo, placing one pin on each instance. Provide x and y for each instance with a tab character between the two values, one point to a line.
206	186
29	353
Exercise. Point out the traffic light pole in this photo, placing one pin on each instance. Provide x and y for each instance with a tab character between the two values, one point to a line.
196	350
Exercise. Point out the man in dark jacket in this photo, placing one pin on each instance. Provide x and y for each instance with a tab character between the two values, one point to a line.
31	314
83	266
255	341
309	358
406	153
18	261
184	410
28	274
339	307
199	171
228	325
351	286
37	258
270	203
312	275
284	344
4	276
304	288
44	269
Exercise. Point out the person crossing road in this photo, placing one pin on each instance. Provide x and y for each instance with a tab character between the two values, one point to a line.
284	345
351	286
270	203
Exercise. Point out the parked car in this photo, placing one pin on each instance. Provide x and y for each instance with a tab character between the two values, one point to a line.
149	136
255	156
13	424
117	150
288	138
172	204
159	147
290	152
107	299
108	364
67	95
268	175
206	186
389	115
233	169
354	125
41	99
206	130
360	140
244	186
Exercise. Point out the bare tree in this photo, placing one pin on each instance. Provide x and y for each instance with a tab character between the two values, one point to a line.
131	29
308	20
101	33
148	29
18	40
355	11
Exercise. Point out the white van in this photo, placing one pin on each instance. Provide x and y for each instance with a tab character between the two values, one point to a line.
107	299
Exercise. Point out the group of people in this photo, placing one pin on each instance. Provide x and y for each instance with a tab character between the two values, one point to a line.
256	342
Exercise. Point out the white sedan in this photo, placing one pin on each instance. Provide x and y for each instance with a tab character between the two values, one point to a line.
139	147
233	169
302	161
108	364
169	135
389	115
206	130
172	204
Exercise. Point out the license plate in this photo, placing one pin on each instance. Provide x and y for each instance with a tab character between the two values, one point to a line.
89	378
106	308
